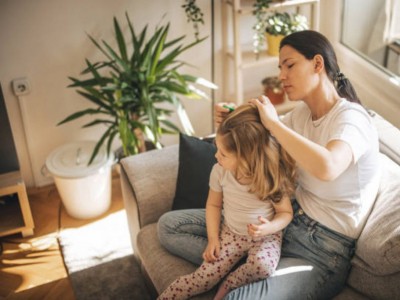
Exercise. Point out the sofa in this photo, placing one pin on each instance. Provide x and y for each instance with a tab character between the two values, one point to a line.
149	185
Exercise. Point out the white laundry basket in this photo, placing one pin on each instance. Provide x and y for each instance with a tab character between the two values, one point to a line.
85	190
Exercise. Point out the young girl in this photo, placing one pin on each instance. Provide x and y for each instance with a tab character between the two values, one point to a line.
252	182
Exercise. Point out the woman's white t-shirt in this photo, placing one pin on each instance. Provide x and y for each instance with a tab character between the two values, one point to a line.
344	203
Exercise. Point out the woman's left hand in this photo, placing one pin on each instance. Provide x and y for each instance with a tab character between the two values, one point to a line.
257	230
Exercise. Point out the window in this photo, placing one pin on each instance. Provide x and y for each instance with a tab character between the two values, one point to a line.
371	28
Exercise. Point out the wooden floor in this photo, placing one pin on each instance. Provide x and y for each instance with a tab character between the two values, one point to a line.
33	268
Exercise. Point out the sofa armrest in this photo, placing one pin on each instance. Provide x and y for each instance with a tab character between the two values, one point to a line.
148	183
389	137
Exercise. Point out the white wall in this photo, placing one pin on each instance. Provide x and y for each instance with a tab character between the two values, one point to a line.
45	41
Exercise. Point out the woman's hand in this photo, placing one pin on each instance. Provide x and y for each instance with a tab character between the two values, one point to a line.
267	111
221	112
263	229
211	253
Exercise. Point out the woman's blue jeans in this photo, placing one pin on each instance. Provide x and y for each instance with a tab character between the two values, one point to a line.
314	264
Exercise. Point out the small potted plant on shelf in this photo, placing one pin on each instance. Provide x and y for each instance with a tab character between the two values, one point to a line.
273	90
129	87
280	24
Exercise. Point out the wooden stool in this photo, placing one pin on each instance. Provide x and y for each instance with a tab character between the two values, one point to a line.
15	212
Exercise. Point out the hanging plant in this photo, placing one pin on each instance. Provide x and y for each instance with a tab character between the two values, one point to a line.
194	15
260	12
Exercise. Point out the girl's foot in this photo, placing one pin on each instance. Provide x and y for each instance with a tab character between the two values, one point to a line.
221	293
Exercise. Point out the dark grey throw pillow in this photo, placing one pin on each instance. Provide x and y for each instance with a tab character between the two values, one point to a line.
196	159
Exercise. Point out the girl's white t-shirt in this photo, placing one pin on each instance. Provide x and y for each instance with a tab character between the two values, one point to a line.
344	203
240	206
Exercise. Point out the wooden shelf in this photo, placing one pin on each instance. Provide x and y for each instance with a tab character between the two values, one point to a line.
250	60
241	55
15	213
245	7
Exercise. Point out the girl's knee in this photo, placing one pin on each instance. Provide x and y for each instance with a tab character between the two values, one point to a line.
264	266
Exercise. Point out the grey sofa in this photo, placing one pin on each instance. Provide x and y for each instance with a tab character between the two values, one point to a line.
149	182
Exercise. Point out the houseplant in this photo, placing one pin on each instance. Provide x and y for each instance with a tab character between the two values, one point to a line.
273	90
280	24
128	86
260	12
194	15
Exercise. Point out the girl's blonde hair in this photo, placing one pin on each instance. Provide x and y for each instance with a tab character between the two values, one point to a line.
259	156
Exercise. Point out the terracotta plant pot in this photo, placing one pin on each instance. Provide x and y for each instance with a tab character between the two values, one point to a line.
273	90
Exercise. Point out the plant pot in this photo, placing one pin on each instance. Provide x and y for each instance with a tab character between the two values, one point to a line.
273	42
273	90
276	96
85	190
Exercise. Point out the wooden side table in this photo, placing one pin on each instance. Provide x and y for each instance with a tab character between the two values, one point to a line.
15	212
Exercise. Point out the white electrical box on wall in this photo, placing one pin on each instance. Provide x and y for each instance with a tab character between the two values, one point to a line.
21	86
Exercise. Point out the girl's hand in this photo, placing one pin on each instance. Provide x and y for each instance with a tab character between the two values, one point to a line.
221	112
257	230
211	253
266	110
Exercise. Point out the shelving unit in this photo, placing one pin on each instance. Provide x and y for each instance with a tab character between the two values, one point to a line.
15	213
242	56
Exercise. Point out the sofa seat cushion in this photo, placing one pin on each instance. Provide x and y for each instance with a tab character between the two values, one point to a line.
376	264
161	266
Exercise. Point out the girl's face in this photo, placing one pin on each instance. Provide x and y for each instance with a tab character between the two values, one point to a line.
297	73
226	159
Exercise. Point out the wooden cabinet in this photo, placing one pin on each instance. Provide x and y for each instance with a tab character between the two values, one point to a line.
15	213
239	57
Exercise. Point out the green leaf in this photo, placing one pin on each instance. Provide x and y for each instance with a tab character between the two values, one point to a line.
120	40
98	121
158	49
115	56
99	144
76	115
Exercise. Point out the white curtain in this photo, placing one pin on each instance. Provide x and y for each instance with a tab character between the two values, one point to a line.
392	28
387	26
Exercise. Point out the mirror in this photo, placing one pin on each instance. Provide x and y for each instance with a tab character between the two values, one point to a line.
371	28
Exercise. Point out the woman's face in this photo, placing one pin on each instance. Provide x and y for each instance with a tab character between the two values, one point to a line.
297	73
225	158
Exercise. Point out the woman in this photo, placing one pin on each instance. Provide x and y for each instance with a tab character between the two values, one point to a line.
335	146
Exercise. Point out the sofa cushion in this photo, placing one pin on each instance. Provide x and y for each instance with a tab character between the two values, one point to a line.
196	158
161	266
376	264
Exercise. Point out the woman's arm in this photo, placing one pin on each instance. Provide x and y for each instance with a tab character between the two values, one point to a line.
283	216
221	112
325	163
213	220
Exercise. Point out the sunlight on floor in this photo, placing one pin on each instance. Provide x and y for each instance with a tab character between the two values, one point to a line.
96	242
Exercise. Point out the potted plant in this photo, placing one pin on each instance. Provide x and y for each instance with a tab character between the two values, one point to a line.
128	86
260	12
273	90
280	24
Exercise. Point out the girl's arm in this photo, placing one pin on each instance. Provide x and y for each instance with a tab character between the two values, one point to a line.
283	216
325	163
213	220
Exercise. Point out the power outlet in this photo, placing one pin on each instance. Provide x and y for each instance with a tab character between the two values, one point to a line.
21	86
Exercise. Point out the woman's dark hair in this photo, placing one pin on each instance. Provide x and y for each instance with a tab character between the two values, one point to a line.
310	43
